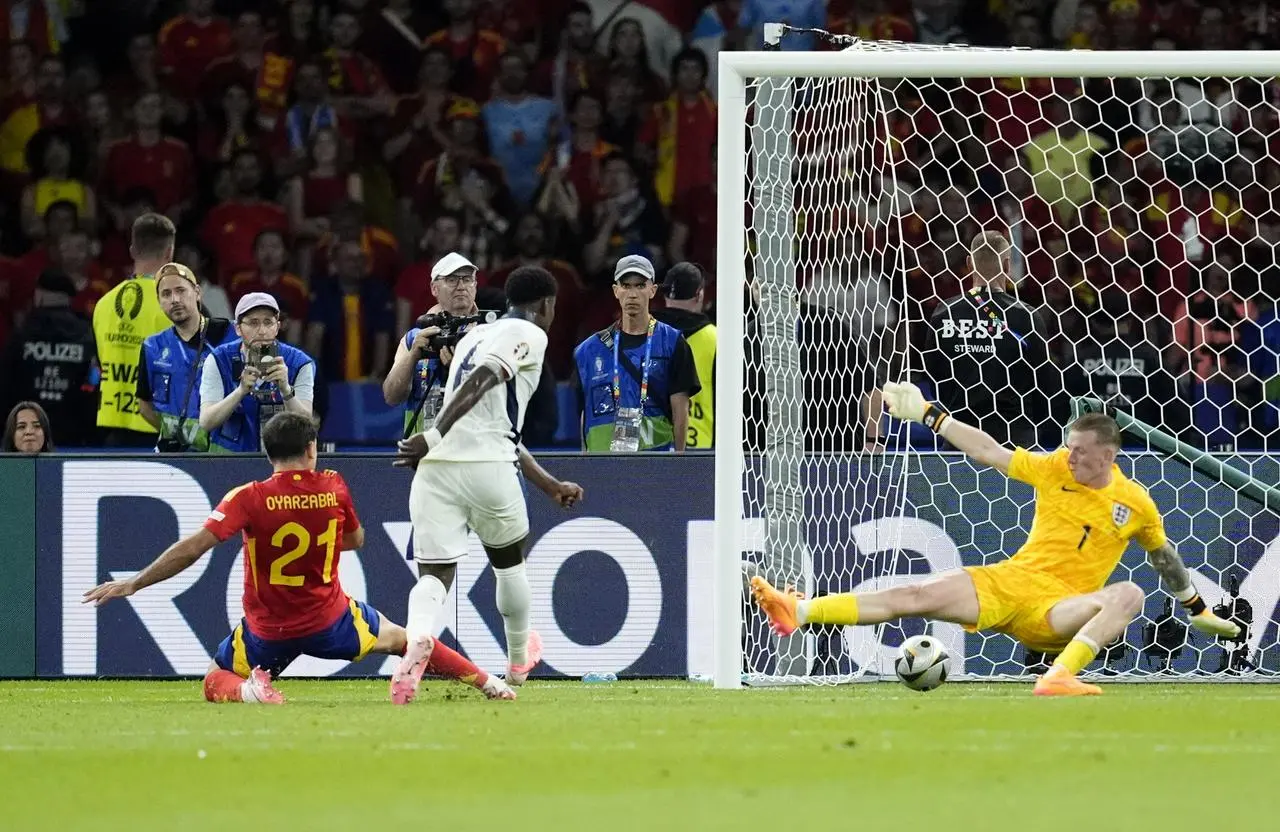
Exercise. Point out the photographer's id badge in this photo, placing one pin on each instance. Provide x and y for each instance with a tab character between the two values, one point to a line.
626	430
431	407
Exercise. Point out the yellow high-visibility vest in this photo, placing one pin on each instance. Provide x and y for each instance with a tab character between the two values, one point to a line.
124	318
702	407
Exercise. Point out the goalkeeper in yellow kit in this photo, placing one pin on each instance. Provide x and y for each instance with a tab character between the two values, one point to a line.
1052	594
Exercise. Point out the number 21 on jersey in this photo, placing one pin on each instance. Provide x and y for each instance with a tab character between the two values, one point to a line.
300	537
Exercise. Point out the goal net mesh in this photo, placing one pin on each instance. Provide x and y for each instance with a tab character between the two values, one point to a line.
1141	216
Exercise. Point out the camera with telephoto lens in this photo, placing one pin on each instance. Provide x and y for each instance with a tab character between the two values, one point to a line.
452	327
172	445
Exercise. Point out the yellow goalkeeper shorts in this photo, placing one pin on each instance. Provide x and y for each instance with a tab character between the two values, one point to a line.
1015	600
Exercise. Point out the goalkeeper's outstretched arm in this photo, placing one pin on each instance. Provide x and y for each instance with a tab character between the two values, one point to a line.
1173	573
905	401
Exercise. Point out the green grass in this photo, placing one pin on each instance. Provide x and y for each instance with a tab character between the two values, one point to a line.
654	755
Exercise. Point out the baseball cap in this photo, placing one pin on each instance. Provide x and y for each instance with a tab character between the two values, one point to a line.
450	263
256	300
683	281
175	270
634	264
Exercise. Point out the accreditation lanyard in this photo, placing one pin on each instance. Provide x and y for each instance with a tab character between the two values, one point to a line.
644	374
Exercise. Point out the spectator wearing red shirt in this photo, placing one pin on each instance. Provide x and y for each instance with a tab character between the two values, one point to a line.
530	238
395	35
350	330
518	22
75	258
681	131
189	44
60	219
312	196
414	291
474	51
581	157
231	227
244	64
290	291
869	20
693	230
359	91
149	159
418	130
576	65
231	127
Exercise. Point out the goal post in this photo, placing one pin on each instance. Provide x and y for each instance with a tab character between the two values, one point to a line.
787	243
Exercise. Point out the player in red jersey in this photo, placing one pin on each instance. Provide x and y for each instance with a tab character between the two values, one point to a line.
295	525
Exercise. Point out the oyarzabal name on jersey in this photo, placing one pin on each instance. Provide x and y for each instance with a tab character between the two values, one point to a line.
302	502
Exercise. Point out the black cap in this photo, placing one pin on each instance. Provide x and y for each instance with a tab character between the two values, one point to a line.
683	281
56	281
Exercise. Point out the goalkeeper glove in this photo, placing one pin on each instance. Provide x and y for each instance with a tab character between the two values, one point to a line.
905	401
1203	619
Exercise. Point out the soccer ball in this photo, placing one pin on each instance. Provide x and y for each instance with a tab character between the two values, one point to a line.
922	663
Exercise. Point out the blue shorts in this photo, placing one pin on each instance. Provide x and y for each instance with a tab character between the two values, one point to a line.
351	637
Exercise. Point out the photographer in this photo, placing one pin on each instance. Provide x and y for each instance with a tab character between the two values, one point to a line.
249	380
421	366
170	362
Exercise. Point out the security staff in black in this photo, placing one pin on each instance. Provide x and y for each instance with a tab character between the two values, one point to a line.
171	362
50	360
1117	363
990	364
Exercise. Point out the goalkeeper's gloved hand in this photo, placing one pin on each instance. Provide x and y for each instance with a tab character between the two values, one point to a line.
905	401
1203	619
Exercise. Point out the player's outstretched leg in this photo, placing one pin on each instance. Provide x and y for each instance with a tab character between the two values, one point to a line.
1091	620
948	597
451	664
425	600
224	686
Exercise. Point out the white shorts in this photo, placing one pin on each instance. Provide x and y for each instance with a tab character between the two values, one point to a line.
447	498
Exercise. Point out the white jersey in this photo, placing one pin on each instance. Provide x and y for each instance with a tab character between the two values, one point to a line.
513	348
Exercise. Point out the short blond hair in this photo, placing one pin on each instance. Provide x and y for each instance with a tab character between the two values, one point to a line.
987	252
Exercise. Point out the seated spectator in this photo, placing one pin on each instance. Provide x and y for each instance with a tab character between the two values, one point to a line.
271	277
474	51
351	321
418	129
231	227
243	385
231	127
628	54
59	219
680	133
521	128
52	358
573	183
625	222
27	430
188	44
57	174
149	159
576	66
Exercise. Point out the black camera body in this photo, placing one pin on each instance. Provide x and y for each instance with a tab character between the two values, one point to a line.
452	327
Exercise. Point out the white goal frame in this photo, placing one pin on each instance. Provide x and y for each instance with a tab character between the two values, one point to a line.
958	62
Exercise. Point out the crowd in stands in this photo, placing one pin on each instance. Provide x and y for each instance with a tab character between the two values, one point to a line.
328	152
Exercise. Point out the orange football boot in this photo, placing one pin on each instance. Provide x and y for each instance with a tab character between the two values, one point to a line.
1058	682
779	605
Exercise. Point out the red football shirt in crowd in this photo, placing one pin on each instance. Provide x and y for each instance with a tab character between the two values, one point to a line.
187	48
293	525
166	169
289	290
230	229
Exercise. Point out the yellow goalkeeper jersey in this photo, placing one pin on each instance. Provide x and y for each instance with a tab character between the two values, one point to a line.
1078	534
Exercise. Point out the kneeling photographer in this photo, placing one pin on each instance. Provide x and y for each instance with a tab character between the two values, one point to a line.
249	380
170	363
421	366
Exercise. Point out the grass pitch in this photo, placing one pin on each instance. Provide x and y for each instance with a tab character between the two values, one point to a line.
651	755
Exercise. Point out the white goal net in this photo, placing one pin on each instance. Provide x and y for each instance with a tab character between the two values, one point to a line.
1143	214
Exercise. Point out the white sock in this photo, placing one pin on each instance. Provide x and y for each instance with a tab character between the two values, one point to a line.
513	598
425	600
802	611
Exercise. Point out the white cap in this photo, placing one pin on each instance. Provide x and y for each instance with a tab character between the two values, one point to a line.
450	263
255	300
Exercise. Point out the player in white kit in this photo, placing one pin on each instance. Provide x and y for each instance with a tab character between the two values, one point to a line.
468	476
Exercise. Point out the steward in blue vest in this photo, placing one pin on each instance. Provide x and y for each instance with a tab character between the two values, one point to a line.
637	376
250	379
170	363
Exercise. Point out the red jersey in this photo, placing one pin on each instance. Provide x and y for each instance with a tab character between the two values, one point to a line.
187	48
230	229
293	526
166	169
